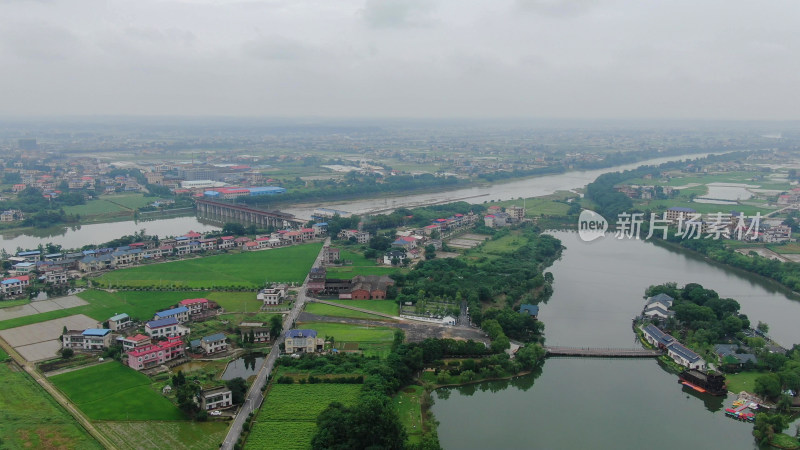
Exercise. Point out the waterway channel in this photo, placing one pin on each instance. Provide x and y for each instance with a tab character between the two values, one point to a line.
76	237
611	403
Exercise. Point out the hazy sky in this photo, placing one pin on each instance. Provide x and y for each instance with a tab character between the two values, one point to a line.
710	59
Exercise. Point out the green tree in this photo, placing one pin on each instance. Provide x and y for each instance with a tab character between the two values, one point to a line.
768	385
238	387
530	356
275	326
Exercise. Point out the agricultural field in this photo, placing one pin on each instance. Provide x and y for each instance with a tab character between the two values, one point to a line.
287	420
248	269
10	303
102	305
112	391
333	311
372	340
546	205
348	272
408	407
236	301
165	435
381	306
108	205
356	258
32	419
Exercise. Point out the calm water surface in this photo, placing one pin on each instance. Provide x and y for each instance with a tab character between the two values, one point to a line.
611	403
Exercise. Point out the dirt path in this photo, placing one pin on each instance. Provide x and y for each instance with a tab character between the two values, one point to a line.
368	311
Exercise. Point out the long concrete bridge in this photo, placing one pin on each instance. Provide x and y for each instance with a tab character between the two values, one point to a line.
598	352
229	212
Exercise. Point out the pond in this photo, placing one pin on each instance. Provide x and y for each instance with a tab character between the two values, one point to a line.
243	367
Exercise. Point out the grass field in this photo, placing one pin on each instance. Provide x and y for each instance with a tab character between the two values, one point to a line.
348	272
165	435
381	306
10	303
248	269
788	248
333	311
288	418
547	205
703	208
372	340
356	258
32	419
115	392
109	205
408	407
742	381
236	301
102	305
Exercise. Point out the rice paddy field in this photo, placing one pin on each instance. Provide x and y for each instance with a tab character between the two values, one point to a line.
112	391
247	269
165	435
287	420
30	418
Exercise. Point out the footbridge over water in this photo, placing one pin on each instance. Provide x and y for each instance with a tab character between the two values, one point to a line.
229	212
602	352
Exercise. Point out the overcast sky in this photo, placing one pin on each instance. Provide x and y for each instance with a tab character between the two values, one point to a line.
712	59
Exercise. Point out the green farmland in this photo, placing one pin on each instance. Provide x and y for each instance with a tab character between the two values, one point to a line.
32	419
112	391
288	418
182	435
372	340
110	205
102	305
248	270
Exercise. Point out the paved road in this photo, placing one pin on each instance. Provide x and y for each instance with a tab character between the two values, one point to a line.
254	396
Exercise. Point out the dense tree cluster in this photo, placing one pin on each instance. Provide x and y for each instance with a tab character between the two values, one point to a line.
514	277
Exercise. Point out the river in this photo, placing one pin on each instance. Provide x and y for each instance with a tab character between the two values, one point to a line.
76	237
611	403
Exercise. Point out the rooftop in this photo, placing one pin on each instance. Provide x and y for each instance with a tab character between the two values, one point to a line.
95	332
214	337
172	312
162	322
301	333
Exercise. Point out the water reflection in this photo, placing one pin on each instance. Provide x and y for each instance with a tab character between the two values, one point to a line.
243	367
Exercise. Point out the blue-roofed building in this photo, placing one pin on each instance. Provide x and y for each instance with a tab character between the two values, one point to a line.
685	357
180	313
303	341
31	256
266	190
165	328
119	322
215	343
88	339
531	310
657	338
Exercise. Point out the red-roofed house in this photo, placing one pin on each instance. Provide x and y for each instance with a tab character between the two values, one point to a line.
132	342
240	241
193	235
15	285
195	305
227	242
154	355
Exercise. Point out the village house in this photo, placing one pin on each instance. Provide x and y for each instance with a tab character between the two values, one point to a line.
15	285
227	242
530	310
214	344
259	332
362	237
180	313
132	342
58	276
729	355
330	255
320	229
24	268
216	398
394	257
119	322
316	280
165	328
303	341
30	256
675	349
153	355
11	215
195	305
89	339
369	287
659	306
273	295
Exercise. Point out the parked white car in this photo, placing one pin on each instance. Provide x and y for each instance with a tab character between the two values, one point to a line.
216	413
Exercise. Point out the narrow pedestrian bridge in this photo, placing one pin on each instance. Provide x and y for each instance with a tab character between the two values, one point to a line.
602	352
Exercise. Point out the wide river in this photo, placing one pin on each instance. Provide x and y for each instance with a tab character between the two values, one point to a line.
611	403
76	237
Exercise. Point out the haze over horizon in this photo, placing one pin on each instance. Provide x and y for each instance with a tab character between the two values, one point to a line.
606	59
